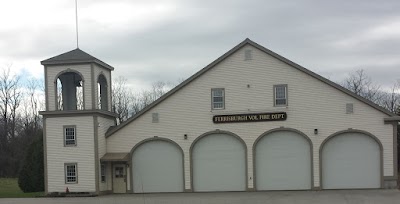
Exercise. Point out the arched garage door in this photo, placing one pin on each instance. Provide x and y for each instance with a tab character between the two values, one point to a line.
157	166
351	160
283	161
219	163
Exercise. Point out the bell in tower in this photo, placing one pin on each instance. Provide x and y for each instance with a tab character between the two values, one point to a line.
69	91
76	80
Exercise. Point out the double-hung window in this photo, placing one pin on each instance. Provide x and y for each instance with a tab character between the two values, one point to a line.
69	135
71	173
218	98
280	95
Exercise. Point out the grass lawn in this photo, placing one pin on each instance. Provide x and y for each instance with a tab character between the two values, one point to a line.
9	189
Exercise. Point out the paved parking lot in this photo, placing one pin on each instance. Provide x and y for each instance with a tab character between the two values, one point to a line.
298	197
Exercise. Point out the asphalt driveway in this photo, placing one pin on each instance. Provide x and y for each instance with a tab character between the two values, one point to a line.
298	197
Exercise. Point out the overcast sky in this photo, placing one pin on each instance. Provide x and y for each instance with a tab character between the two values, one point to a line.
148	40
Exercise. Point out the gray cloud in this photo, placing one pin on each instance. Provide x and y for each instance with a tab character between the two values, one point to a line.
331	38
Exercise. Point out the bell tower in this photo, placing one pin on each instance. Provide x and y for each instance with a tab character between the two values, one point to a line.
77	115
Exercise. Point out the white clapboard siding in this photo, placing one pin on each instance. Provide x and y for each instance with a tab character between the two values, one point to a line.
53	71
109	175
312	105
82	154
103	125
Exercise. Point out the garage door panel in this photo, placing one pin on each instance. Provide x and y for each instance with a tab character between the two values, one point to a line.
219	164
351	160
283	162
157	166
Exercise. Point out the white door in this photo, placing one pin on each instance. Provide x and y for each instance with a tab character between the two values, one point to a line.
283	162
119	179
219	164
157	166
351	160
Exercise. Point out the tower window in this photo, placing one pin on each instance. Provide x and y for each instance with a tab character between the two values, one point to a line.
71	173
69	136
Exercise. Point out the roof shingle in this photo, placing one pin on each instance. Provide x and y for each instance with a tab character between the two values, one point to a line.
76	56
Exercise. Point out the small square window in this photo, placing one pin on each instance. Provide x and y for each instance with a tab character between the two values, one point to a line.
119	172
69	135
248	55
154	117
280	95
71	173
217	98
349	108
103	173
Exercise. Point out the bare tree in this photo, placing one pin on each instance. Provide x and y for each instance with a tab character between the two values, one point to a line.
16	98
362	85
126	103
391	99
32	104
122	99
12	135
60	105
10	98
79	97
158	89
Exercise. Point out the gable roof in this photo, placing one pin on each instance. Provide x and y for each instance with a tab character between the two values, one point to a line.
247	41
76	56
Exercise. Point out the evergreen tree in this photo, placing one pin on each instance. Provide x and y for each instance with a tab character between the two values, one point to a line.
31	175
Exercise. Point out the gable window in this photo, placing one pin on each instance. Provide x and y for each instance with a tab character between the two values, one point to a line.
280	95
71	173
349	108
217	98
248	55
69	135
103	173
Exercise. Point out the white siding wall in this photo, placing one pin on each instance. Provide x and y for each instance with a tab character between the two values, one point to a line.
107	74
107	186
82	154
128	179
109	175
312	104
53	71
104	124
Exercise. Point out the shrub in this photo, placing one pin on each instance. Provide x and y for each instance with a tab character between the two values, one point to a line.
31	175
